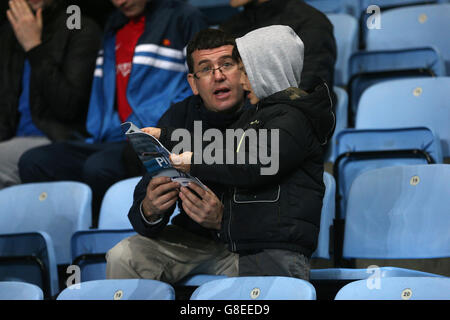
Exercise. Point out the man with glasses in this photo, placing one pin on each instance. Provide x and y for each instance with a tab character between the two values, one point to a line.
189	245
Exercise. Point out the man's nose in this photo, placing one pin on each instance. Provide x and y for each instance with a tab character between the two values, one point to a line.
218	74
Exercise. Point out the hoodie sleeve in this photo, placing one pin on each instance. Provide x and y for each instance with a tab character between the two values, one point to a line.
290	140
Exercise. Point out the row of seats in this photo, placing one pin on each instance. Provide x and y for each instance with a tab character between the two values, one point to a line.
411	42
398	212
241	288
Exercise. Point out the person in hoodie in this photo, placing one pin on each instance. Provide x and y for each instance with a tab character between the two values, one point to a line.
272	220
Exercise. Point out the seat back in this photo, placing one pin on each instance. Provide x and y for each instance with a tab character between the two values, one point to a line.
89	250
399	213
361	150
397	288
119	289
413	26
326	218
255	288
408	103
116	203
29	257
367	68
341	120
57	208
346	33
14	290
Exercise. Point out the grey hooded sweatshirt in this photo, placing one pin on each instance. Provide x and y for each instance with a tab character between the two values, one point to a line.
275	67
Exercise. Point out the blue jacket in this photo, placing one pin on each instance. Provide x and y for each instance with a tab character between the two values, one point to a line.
159	70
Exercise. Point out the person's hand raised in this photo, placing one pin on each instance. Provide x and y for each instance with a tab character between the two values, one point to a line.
26	26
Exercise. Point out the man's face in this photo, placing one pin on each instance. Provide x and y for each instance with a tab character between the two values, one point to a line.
221	90
36	4
130	8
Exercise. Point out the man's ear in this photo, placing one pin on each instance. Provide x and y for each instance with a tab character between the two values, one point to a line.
191	80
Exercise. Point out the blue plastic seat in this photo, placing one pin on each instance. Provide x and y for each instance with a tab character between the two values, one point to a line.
399	213
367	68
116	203
408	103
119	289
29	257
341	120
89	247
255	288
326	218
360	150
400	288
53	210
413	26
346	33
14	290
395	213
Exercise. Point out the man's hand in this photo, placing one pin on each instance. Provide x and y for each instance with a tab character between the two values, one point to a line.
156	132
206	211
182	161
26	26
162	194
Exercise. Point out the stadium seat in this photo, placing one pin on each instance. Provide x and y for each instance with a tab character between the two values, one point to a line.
341	121
116	203
407	103
346	34
367	68
400	288
119	289
29	257
14	290
255	288
326	218
90	246
399	213
395	213
54	211
413	26
360	150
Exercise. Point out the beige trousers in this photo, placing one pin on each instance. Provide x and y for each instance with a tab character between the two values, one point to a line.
175	254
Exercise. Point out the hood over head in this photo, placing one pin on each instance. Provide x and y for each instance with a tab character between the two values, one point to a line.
273	59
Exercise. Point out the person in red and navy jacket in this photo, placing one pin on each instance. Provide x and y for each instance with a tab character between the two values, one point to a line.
140	71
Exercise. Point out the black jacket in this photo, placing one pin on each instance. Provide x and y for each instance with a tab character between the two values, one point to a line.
311	25
61	73
282	210
286	213
179	115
